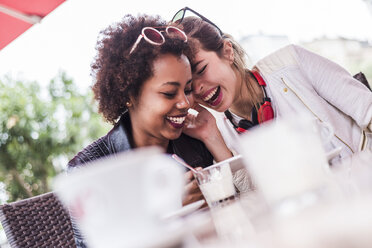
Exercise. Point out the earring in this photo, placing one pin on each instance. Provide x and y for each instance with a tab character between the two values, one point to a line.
129	104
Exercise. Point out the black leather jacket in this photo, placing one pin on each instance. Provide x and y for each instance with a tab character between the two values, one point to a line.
120	139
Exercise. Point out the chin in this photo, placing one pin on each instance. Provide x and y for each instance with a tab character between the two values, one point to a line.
221	108
173	136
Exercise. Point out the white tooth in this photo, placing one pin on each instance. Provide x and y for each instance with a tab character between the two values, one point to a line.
178	120
210	95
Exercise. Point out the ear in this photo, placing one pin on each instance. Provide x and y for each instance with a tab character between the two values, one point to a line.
131	102
228	51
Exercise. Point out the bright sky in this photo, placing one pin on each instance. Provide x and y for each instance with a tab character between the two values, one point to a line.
65	39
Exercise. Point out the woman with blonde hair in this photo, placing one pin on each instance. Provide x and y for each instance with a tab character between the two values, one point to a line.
289	81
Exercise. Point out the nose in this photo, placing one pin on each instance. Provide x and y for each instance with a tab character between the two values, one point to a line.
198	87
184	102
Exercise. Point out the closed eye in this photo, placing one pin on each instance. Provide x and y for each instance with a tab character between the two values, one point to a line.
202	70
169	94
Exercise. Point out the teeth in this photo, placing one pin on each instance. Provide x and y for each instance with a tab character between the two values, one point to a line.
177	120
210	95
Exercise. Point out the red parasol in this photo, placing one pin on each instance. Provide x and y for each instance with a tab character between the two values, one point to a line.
16	16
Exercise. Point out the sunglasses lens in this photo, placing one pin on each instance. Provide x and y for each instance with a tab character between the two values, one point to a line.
154	36
175	32
178	16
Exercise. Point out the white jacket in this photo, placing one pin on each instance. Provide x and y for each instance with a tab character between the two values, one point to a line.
300	81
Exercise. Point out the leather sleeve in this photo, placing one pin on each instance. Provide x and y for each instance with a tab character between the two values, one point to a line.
96	150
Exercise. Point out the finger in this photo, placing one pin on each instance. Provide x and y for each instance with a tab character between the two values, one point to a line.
190	121
192	187
190	198
189	176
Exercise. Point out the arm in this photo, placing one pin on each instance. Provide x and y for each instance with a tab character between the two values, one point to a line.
337	86
205	129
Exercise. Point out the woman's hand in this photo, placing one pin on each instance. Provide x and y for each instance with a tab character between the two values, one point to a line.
204	128
192	191
200	126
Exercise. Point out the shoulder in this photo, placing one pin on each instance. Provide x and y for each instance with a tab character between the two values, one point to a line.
93	151
290	55
116	140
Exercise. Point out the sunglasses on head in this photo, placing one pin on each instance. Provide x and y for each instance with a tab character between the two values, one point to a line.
178	18
153	36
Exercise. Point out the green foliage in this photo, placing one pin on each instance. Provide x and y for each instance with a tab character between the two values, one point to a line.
40	129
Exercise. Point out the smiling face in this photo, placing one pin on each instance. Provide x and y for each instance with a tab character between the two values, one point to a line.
215	82
159	112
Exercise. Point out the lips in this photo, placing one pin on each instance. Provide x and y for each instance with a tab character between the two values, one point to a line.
176	121
213	96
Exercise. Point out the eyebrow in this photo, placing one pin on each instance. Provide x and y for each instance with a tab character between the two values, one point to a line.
193	66
176	83
172	83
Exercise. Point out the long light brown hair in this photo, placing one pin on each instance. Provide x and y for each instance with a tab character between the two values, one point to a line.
203	35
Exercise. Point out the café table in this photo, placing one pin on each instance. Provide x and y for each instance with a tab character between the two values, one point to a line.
338	216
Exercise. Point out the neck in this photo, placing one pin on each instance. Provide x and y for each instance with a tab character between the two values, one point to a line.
245	99
141	138
150	141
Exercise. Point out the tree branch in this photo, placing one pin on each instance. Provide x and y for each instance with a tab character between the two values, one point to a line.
21	182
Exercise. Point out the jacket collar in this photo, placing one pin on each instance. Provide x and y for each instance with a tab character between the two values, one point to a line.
119	137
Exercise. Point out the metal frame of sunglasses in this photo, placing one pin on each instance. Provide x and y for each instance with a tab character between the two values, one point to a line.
183	12
155	36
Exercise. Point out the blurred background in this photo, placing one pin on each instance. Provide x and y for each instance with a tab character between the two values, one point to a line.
46	108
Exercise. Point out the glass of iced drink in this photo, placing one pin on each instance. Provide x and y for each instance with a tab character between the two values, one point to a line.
216	183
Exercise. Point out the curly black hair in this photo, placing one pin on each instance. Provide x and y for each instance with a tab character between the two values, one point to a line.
119	75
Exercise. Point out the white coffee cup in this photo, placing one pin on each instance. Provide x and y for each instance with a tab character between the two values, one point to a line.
119	201
285	157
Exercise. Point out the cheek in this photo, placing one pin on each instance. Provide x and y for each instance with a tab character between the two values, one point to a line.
208	77
224	72
149	109
191	99
157	109
215	76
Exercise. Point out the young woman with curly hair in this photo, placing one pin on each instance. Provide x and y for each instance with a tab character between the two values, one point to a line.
143	87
